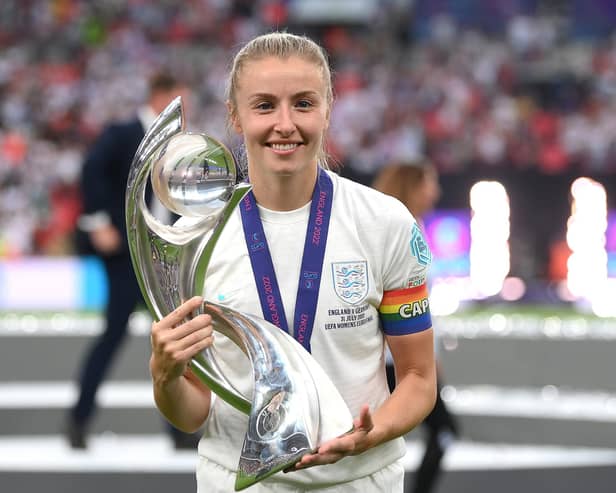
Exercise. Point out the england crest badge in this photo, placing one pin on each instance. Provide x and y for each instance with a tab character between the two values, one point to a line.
350	281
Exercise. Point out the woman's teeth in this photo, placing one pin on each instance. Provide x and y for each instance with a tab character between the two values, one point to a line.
284	147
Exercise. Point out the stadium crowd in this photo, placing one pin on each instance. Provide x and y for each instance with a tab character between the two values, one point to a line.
531	97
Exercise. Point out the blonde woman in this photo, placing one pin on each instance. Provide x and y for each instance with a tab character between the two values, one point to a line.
279	101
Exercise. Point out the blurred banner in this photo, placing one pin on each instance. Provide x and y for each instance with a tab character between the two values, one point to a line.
52	283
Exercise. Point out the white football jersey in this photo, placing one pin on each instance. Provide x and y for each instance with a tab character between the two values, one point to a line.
372	283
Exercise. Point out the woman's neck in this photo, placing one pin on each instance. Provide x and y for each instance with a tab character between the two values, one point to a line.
283	193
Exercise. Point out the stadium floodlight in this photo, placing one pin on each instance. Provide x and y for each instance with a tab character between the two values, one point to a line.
490	229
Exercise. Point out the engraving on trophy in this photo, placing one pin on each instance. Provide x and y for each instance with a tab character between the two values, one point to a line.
270	417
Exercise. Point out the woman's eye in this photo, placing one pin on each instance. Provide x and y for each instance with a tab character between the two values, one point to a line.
304	103
263	106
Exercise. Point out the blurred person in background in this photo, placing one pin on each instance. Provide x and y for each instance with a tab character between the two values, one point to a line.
416	185
103	233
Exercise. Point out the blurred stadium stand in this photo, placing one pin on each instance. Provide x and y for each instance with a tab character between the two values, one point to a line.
520	92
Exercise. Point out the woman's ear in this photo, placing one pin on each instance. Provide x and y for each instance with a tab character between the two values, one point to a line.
235	122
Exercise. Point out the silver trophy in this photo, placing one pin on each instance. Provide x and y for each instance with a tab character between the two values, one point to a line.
294	406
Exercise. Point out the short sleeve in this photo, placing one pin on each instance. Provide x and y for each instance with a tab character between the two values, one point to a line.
405	307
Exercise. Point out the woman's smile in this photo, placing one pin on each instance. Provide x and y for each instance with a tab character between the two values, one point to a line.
284	149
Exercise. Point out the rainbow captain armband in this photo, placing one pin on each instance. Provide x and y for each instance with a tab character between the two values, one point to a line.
405	311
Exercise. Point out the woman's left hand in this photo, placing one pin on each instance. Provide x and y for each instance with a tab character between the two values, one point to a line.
358	440
413	356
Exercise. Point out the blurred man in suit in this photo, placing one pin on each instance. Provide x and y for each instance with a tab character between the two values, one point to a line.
103	230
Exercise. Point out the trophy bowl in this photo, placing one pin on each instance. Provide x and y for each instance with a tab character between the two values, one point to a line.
193	175
294	406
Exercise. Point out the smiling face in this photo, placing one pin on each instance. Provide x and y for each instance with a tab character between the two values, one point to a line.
282	111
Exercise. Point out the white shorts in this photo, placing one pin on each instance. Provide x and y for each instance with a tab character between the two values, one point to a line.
213	478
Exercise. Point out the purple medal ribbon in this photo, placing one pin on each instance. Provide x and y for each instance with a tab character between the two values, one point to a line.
312	261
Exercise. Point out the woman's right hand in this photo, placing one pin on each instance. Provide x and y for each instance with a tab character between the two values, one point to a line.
175	340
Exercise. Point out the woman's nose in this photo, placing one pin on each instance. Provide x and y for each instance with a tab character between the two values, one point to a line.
285	124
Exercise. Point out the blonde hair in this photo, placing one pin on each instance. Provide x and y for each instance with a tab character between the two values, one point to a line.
281	45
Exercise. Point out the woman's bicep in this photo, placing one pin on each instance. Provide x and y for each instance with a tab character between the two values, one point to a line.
413	353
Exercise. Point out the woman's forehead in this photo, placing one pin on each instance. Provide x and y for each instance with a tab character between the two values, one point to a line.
274	72
287	60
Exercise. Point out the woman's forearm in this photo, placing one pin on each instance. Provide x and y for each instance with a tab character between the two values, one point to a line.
184	402
411	401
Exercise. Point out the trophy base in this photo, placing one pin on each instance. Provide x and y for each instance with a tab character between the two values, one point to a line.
251	471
